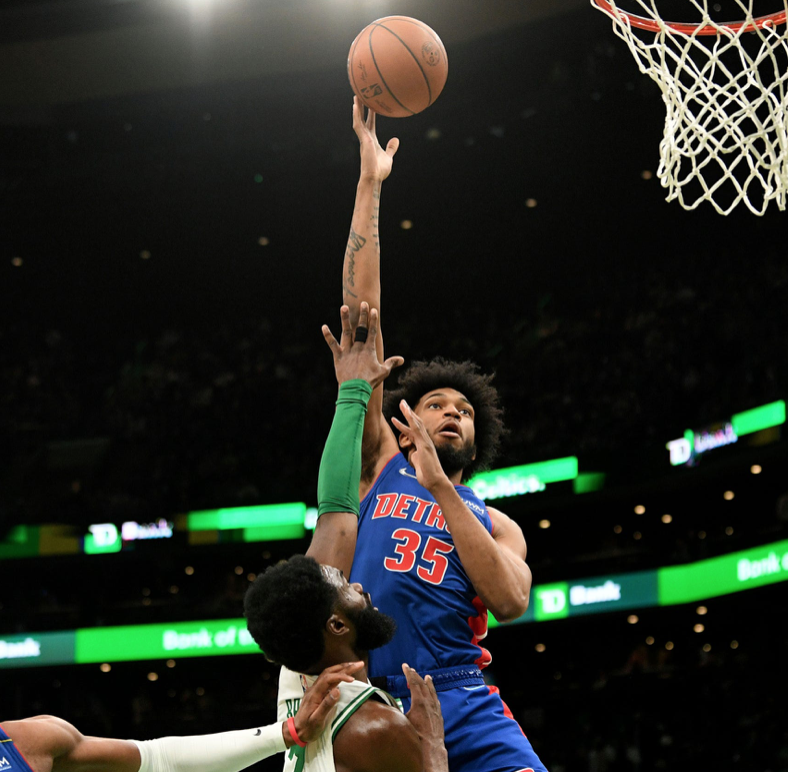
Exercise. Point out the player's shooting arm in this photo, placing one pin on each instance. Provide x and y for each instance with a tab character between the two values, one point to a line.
361	269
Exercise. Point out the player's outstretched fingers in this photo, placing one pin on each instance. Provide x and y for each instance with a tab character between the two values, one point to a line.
391	363
413	420
347	328
320	699
392	147
425	708
358	119
328	336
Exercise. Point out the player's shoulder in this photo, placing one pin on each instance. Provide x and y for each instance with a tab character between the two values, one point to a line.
374	737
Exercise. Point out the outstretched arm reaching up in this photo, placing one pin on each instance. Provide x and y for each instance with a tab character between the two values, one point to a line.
358	372
361	270
361	274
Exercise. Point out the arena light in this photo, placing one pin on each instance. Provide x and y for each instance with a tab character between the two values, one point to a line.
588	482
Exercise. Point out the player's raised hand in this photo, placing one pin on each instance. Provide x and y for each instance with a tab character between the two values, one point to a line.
375	161
320	698
355	355
424	458
426	717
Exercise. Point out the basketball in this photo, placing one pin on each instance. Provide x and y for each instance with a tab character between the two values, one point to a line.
397	66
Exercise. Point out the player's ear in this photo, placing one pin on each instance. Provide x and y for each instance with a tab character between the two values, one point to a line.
337	625
404	441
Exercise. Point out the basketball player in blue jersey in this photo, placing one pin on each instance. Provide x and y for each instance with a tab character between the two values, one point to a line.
435	557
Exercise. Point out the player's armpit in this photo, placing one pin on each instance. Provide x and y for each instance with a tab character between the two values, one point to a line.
378	738
378	445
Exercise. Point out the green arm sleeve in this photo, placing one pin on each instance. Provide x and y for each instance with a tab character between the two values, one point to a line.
340	466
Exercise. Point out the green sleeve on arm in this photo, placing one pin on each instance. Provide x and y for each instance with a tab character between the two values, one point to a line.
340	467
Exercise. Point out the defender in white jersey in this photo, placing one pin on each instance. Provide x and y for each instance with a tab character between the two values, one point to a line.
304	615
318	756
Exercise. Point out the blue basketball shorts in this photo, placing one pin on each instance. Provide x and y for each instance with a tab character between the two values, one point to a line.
481	733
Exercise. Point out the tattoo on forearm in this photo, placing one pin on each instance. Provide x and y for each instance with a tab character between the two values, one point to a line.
346	291
374	220
354	244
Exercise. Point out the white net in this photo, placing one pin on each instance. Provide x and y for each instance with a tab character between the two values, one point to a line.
725	89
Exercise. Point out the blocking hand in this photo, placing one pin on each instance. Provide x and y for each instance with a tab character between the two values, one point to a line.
320	698
425	710
356	358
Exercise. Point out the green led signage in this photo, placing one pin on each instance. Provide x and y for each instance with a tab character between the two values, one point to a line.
723	575
518	480
33	649
164	641
759	418
617	592
694	444
103	537
271	522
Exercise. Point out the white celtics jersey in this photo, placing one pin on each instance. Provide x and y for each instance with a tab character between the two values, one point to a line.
318	756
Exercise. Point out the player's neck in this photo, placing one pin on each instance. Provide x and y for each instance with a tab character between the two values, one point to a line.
340	658
455	478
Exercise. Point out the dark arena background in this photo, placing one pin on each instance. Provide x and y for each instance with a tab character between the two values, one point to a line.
176	185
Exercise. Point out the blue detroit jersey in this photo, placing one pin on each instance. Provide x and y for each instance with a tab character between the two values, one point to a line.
11	759
406	559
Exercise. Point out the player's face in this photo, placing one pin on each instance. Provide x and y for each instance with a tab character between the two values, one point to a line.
448	417
351	596
373	628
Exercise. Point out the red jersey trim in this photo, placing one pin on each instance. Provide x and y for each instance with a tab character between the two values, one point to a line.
16	748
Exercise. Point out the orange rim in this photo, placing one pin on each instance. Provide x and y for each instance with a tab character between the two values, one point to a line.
641	22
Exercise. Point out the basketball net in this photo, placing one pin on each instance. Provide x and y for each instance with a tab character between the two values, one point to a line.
725	88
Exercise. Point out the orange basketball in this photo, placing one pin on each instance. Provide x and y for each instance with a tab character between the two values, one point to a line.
397	66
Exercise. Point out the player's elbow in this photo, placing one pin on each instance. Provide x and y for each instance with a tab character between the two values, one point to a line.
512	607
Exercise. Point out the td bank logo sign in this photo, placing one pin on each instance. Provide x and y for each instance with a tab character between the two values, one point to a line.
554	601
24	649
761	568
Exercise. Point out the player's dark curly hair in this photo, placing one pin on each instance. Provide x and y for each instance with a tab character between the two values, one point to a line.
423	377
286	609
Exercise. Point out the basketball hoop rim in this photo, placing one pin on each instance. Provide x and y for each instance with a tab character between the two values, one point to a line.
641	22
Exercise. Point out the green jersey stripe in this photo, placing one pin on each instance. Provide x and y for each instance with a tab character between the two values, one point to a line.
351	708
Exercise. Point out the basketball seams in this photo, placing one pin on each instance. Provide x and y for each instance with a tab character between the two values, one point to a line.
424	28
374	26
415	59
